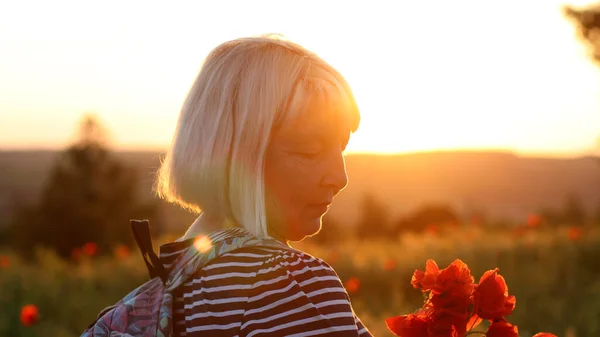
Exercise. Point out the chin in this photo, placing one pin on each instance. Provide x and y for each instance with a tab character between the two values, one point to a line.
305	230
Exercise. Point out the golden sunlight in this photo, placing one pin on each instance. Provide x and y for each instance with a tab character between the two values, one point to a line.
203	244
427	75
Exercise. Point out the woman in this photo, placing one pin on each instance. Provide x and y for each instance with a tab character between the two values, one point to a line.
259	149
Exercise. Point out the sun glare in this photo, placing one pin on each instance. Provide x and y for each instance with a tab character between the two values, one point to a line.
203	244
424	79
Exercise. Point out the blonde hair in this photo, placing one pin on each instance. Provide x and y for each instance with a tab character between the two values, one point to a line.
246	89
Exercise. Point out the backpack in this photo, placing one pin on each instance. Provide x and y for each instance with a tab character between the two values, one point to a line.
148	310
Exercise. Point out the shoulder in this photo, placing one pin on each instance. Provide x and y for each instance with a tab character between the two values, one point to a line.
262	268
275	291
293	292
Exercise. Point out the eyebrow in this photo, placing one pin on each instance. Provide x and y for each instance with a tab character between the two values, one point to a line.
327	134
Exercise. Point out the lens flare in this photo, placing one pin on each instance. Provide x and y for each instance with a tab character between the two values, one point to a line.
203	244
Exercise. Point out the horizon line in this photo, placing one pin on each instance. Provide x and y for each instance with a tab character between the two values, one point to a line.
507	151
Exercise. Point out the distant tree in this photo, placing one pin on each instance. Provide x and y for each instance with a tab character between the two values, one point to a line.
331	232
587	21
574	212
425	217
89	197
375	219
551	216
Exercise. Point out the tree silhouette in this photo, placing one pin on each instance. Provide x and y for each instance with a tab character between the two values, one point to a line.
89	197
375	218
574	212
331	232
587	21
428	215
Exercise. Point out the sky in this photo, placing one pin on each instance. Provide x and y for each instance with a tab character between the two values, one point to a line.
427	75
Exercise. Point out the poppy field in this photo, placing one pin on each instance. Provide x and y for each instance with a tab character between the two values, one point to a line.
553	274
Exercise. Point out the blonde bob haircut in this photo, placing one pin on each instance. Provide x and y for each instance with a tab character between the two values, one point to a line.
246	89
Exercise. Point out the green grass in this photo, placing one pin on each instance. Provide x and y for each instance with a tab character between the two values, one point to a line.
556	280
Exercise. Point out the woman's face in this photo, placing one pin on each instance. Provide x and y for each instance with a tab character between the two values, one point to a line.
304	170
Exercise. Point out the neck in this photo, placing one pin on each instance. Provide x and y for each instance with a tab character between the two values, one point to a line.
203	225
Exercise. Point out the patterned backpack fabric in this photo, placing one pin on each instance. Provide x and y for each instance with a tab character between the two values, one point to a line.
148	310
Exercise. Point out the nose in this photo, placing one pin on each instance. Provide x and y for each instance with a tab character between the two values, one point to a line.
335	177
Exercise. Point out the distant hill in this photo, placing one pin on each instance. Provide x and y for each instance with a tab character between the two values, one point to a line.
502	184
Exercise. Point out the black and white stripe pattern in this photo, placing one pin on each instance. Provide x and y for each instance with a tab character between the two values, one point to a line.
260	291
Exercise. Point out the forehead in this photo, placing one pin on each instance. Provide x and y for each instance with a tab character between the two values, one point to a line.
318	118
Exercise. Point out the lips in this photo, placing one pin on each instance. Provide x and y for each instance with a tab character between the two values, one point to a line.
322	204
322	207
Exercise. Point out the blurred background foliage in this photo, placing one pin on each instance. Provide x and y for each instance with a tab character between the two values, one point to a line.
69	252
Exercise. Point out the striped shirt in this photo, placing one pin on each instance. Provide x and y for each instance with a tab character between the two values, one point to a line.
261	291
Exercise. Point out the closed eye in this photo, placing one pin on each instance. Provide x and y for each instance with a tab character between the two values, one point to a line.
308	155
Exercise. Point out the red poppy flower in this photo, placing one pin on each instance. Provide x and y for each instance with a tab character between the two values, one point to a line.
29	315
574	233
455	280
122	251
89	249
455	304
425	280
4	262
544	334
534	220
352	285
412	325
448	322
389	265
501	328
491	297
432	229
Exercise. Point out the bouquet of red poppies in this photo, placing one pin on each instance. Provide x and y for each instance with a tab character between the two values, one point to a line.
455	305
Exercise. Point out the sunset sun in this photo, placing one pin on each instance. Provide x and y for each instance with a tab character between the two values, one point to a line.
427	75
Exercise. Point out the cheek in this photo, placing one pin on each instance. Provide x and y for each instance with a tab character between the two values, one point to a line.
286	181
289	183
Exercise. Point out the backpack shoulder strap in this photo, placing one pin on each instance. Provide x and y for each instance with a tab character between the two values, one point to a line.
192	259
141	233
